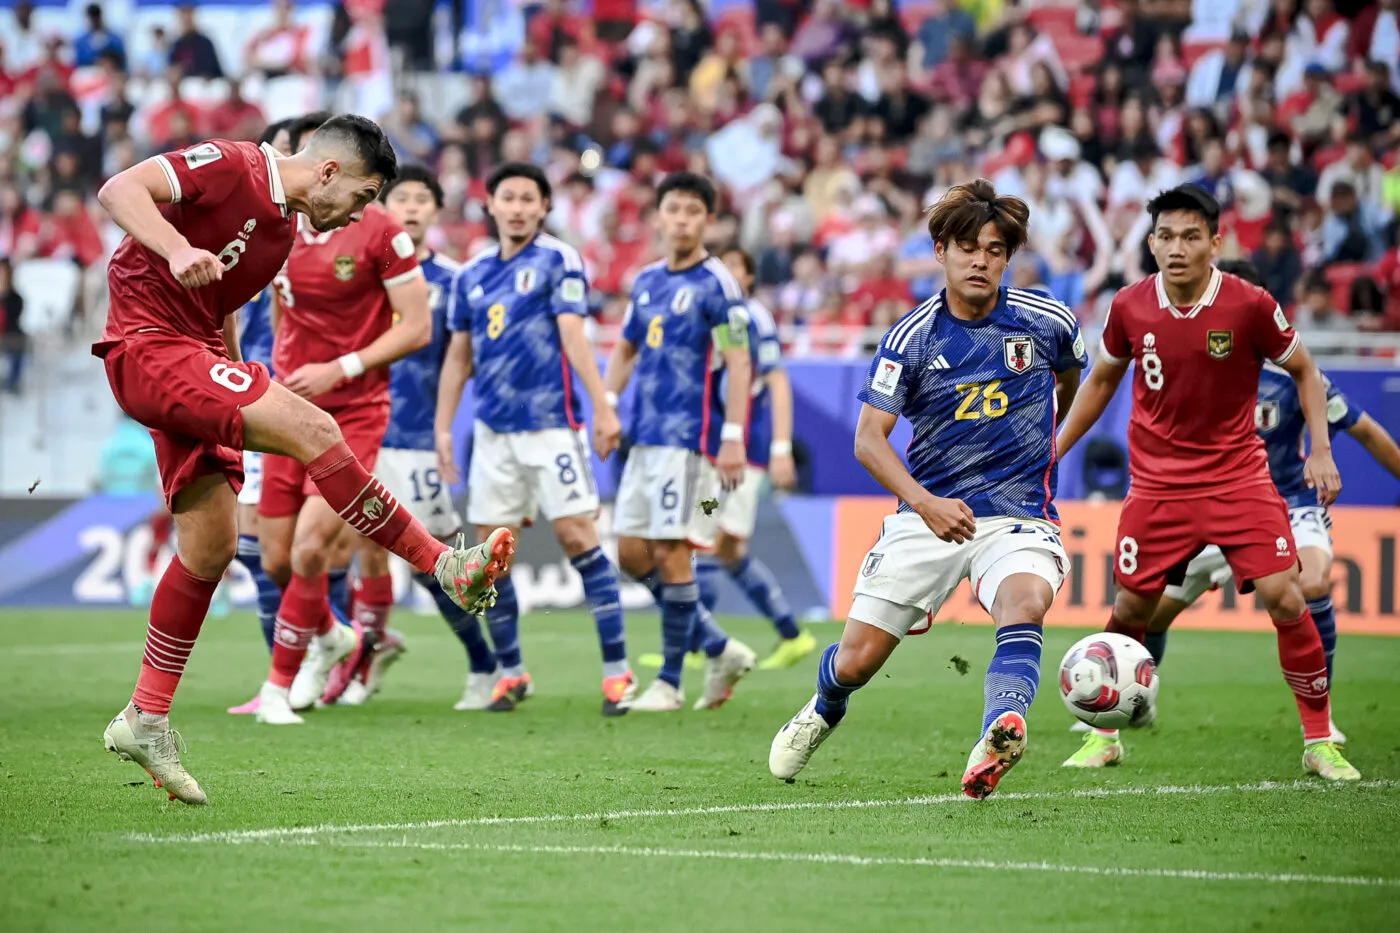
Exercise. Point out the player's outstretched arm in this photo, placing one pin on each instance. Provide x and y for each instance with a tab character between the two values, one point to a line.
1320	470
950	519
1378	443
131	197
456	370
607	429
780	466
1090	402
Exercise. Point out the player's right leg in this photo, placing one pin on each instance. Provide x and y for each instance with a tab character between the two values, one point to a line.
281	422
207	533
1312	532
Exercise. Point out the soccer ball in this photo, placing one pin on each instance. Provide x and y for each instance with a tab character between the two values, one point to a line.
1109	681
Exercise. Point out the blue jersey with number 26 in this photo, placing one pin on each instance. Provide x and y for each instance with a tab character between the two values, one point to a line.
1279	419
413	380
980	396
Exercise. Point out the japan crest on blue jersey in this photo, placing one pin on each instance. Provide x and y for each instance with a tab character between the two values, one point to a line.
413	380
523	380
669	321
766	354
980	396
1279	419
255	329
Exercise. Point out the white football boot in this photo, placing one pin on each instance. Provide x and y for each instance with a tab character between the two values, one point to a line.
477	695
796	741
660	697
275	709
723	671
155	747
325	653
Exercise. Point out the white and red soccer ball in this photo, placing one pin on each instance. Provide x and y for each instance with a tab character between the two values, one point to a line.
1109	681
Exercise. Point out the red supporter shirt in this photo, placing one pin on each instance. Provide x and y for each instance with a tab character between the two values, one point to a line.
1195	384
229	201
335	301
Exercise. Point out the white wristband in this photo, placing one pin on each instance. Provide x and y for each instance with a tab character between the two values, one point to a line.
352	364
780	449
611	398
731	432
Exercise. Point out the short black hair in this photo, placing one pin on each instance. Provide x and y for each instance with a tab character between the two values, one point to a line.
749	267
520	170
416	173
365	139
1191	198
299	127
1241	268
269	134
688	183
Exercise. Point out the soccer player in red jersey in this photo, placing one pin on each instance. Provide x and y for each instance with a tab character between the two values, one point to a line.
207	228
1199	473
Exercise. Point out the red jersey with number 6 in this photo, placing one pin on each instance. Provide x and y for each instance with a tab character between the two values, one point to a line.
228	199
334	300
1195	383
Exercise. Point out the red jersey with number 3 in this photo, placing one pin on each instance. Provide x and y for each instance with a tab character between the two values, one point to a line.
228	199
334	300
1195	383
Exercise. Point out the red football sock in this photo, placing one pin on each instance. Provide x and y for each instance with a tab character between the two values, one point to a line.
373	599
1117	627
1305	669
178	608
304	612
369	508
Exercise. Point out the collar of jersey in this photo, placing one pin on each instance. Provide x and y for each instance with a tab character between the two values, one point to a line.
274	175
1206	300
992	316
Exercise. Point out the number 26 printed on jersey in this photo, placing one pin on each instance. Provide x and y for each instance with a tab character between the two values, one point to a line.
993	401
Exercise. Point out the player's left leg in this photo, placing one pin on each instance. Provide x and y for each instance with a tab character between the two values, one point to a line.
578	536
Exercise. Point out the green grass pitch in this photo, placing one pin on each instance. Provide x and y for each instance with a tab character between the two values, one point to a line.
551	818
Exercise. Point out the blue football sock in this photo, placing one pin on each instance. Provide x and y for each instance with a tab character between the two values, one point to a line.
339	594
831	693
759	584
652	582
269	594
679	606
600	586
707	636
1326	621
1014	673
1156	645
707	572
504	621
467	627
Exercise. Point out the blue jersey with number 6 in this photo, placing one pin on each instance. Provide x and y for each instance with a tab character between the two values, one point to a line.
1279	418
980	396
523	380
413	380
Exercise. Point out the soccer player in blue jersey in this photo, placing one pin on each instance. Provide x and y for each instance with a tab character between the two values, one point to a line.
1279	419
769	446
978	371
517	315
686	328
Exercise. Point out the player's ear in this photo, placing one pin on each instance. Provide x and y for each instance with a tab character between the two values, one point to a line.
328	170
940	252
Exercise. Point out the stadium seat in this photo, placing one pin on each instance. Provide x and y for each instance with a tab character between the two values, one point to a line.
1054	20
1340	276
1079	53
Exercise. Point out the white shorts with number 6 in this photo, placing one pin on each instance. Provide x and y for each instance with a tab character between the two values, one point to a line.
251	493
659	496
910	572
412	477
1312	527
513	476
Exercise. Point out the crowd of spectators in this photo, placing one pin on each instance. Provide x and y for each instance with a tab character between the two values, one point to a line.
830	125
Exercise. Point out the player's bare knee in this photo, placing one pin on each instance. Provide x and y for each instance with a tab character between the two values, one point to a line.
316	433
208	559
855	665
310	557
633	557
1316	587
730	550
577	535
1287	604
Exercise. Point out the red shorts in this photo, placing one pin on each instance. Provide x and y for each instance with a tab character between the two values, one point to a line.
1156	539
190	397
285	487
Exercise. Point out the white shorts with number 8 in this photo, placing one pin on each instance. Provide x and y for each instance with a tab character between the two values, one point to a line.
513	476
659	496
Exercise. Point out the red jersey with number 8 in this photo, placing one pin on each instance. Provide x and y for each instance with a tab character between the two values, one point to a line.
1195	384
228	199
334	300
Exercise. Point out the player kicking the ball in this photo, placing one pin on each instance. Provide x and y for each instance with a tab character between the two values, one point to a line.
1278	417
977	370
207	227
516	316
1200	475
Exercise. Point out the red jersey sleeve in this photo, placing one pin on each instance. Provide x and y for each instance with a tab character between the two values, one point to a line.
1269	330
1115	346
393	255
214	168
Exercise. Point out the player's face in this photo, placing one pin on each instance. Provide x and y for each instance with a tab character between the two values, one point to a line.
734	262
975	269
518	209
412	205
1183	247
341	196
683	218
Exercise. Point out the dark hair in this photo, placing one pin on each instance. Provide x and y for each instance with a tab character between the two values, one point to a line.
299	127
749	267
960	215
269	134
1241	268
1279	140
1316	281
520	170
1191	198
364	139
415	173
688	183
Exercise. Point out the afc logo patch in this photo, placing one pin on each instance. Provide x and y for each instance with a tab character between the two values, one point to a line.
886	378
525	280
344	268
1219	343
1266	416
872	564
1020	353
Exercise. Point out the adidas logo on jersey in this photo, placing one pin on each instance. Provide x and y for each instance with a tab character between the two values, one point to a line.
939	363
476	292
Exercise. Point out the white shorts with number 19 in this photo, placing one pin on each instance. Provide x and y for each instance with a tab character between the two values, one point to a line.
659	496
412	477
514	475
910	572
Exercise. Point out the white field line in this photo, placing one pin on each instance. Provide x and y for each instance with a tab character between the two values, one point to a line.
837	858
72	648
280	833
